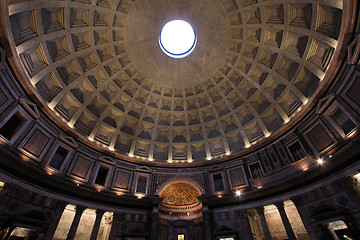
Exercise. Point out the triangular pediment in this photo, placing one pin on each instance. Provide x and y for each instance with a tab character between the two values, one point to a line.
30	107
324	103
354	51
69	141
107	159
143	169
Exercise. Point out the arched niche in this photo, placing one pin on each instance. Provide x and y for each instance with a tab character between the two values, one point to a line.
179	201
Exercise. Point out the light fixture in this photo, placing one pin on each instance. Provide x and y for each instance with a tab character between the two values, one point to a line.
177	39
238	193
320	161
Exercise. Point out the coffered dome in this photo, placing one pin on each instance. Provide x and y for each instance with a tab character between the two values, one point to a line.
98	70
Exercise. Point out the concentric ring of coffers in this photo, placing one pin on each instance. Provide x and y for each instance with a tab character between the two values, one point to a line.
75	56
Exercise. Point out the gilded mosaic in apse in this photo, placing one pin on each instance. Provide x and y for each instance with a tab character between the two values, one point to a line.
180	194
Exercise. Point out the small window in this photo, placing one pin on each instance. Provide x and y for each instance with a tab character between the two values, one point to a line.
256	170
282	152
101	176
343	121
218	182
12	126
141	184
297	151
58	158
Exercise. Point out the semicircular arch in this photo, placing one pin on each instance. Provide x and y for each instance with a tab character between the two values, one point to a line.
184	180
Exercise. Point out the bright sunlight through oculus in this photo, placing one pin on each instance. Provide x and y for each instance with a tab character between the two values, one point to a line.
177	39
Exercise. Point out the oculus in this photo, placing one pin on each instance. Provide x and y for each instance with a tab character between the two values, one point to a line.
177	39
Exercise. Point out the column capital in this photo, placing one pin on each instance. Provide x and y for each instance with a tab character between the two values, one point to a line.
260	210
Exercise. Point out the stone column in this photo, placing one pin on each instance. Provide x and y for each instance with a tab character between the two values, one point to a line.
298	202
95	230
75	222
265	228
285	220
55	220
170	230
191	234
156	200
204	199
245	224
207	224
154	224
115	226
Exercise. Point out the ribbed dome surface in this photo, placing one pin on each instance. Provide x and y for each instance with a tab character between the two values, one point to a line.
98	66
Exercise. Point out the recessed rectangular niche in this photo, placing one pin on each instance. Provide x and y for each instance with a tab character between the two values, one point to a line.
58	158
256	170
297	151
12	126
141	184
344	124
81	167
218	182
102	176
36	143
237	177
319	137
122	180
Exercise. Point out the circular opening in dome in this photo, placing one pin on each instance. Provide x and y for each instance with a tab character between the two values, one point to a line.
177	39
